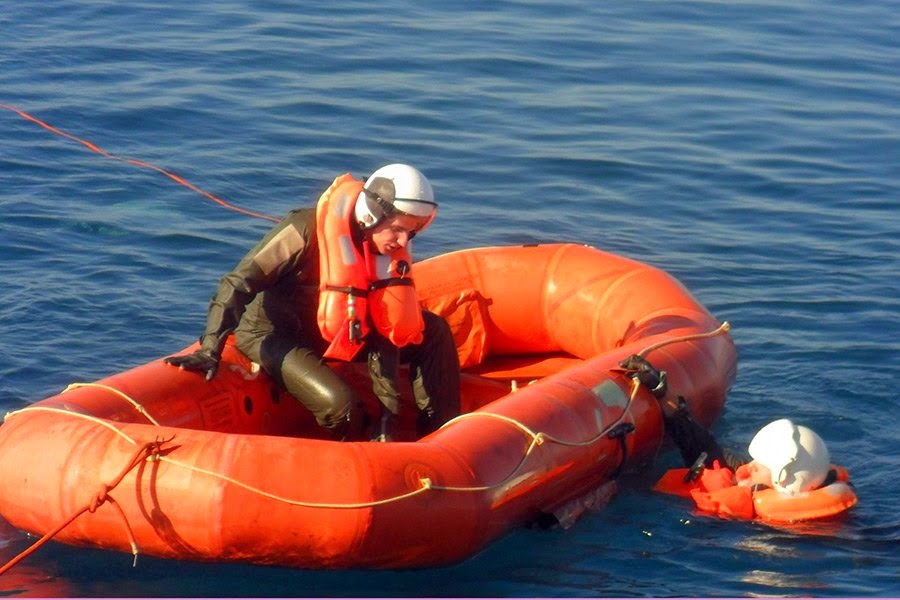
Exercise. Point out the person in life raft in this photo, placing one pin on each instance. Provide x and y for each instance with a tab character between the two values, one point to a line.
335	281
788	478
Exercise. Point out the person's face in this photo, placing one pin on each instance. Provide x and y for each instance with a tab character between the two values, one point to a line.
758	475
394	233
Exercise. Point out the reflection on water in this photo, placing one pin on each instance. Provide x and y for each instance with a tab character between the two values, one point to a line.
763	544
777	579
32	578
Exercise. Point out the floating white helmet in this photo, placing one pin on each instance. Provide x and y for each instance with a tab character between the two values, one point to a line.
796	456
395	189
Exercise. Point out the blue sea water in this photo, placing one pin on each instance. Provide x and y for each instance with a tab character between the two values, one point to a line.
750	148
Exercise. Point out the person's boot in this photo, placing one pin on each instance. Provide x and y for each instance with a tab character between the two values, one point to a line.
386	430
353	427
426	423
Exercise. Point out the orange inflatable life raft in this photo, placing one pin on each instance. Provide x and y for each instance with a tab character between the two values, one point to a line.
234	469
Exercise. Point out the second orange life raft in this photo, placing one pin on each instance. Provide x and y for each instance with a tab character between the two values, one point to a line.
231	470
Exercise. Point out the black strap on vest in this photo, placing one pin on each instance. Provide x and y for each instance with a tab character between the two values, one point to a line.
620	431
383	283
346	289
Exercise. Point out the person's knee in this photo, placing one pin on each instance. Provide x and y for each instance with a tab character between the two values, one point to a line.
317	387
332	407
436	327
438	337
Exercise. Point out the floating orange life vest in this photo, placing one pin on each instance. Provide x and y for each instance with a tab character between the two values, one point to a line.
715	491
354	284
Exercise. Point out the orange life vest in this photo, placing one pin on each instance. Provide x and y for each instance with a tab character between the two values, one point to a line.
354	285
715	491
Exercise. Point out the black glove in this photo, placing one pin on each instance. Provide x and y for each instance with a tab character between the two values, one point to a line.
638	366
203	361
696	468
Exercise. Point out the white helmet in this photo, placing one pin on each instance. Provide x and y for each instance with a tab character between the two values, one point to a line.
796	456
395	189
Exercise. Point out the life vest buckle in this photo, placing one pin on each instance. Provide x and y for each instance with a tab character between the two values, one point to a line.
354	326
355	331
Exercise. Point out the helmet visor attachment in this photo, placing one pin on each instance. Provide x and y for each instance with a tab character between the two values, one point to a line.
382	193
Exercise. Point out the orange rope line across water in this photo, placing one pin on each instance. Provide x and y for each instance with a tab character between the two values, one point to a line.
138	163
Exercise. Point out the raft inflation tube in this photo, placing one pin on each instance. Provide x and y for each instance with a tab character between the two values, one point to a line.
234	469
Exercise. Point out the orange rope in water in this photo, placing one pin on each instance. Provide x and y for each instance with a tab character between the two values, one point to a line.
138	163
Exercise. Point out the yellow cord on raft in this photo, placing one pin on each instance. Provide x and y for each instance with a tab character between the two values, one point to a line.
119	393
725	327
